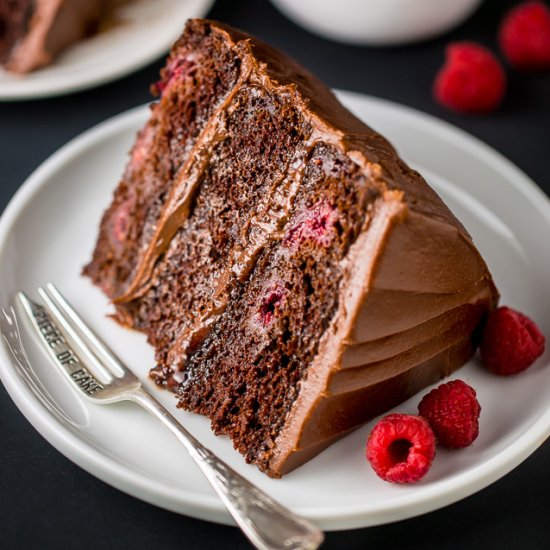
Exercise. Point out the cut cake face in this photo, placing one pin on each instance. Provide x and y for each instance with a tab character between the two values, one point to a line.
295	276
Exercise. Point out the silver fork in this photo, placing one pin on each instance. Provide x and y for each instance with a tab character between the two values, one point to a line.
99	375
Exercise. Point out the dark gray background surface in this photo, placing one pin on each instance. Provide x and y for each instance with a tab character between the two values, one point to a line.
48	502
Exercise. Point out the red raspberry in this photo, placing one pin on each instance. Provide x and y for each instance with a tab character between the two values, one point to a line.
270	303
401	448
316	224
524	36
510	342
452	410
471	81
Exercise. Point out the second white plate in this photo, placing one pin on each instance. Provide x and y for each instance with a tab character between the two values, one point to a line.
48	232
144	31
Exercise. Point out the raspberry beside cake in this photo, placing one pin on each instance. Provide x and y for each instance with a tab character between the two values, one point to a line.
295	276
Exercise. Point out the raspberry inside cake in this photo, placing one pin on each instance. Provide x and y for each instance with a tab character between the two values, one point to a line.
295	276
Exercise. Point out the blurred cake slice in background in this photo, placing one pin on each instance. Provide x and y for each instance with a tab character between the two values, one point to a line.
34	32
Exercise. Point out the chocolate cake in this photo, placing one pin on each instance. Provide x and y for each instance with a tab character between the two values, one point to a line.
295	276
34	32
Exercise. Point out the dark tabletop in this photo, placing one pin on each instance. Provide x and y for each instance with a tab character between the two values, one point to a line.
48	502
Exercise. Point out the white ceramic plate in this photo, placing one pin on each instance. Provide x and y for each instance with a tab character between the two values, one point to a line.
48	231
145	30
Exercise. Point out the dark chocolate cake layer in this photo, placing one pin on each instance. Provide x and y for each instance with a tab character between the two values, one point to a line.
295	276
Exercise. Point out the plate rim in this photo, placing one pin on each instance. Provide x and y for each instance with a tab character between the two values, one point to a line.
123	477
58	88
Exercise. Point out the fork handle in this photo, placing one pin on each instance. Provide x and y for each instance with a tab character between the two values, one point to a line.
266	523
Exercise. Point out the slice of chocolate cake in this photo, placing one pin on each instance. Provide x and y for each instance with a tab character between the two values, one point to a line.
34	32
295	276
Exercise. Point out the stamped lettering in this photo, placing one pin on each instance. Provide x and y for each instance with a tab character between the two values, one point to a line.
49	331
67	357
63	353
86	381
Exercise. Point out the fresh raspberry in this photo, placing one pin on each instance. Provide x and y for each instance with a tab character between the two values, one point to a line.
121	221
471	81
524	36
452	410
316	224
401	448
510	342
176	70
271	301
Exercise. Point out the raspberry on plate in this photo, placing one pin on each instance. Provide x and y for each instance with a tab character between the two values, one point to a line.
471	81
510	342
401	448
452	409
524	36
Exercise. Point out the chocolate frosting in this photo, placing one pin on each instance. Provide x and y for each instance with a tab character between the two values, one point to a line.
406	320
